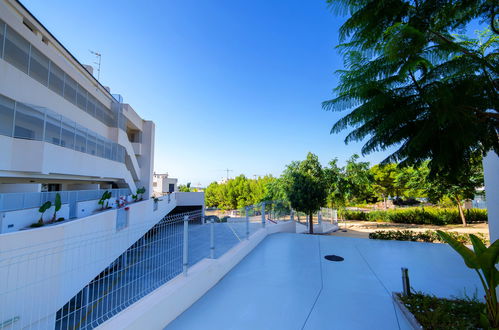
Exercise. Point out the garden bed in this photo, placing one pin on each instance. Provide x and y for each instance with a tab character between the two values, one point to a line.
429	312
429	236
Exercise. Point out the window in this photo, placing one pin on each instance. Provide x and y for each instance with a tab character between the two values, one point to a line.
56	79
70	89
2	29
39	66
16	50
53	129
6	116
28	123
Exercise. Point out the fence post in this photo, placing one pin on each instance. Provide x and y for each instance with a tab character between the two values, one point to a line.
212	239
247	222
186	244
263	214
202	220
319	217
292	213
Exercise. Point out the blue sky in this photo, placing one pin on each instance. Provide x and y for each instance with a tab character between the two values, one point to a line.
229	83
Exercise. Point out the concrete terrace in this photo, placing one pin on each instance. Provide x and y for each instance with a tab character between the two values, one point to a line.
286	283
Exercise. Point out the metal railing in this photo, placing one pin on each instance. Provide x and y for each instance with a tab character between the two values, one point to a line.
54	284
27	200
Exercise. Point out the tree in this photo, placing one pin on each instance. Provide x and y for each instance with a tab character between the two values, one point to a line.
469	180
412	84
384	183
305	187
185	188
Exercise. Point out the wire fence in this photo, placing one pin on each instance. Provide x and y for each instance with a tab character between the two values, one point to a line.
77	285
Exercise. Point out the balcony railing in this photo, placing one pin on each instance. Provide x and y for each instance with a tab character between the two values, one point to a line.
27	200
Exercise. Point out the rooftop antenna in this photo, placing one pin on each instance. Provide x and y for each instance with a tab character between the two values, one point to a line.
98	56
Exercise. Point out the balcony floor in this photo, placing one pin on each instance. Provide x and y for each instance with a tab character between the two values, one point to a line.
286	283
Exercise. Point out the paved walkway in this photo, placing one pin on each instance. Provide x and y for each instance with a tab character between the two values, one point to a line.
285	283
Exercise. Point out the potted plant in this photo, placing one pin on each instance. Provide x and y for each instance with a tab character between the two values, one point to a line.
47	205
57	206
104	200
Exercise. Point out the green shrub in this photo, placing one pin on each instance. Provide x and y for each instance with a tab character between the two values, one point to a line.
427	236
420	216
439	313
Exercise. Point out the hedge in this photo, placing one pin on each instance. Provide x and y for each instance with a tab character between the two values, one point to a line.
427	236
420	216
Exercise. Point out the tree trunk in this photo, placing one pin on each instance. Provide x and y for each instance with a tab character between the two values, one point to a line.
460	208
311	222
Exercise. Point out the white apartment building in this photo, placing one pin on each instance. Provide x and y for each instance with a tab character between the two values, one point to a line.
63	133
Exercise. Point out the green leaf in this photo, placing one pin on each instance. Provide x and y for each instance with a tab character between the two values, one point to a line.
469	257
478	245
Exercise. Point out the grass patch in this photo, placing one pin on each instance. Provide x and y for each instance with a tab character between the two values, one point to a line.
440	313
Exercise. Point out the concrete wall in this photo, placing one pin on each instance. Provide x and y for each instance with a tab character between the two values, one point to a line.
42	268
167	302
491	173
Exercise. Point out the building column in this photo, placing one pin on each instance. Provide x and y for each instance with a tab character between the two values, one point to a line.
491	175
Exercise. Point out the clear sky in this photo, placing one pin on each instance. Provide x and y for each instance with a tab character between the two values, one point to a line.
229	83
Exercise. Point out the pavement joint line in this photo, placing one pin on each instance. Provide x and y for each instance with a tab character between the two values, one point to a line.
322	284
381	282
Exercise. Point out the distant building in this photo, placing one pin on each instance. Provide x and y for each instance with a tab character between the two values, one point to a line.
162	184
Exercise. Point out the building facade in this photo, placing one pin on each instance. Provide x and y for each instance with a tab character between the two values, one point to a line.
65	139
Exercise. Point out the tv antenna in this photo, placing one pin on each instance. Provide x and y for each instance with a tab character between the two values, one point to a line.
98	58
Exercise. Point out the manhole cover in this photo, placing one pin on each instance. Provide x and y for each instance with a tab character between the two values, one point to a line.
333	257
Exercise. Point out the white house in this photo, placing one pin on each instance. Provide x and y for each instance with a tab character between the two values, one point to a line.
162	184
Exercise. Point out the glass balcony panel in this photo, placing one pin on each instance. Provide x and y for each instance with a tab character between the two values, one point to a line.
53	129
6	116
56	79
68	134
29	123
39	66
16	50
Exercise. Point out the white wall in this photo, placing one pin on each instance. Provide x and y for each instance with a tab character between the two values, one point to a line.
42	268
12	221
18	156
19	187
491	173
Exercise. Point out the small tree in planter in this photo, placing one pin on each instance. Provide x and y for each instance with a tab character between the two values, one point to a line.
138	194
42	210
483	260
104	200
57	206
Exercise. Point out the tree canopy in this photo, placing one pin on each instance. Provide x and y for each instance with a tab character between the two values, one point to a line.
305	186
412	83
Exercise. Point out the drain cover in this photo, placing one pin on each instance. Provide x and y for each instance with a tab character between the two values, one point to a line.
333	257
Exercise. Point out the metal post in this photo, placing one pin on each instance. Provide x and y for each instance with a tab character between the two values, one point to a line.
212	239
203	220
292	214
335	216
319	217
247	222
263	214
186	244
405	282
